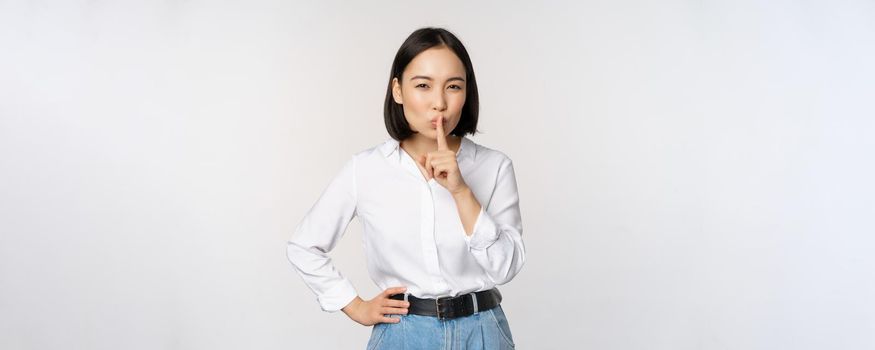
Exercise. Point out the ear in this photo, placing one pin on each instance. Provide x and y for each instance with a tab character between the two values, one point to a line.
396	91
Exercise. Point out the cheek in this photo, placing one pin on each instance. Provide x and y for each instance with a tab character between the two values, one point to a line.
415	103
457	101
421	101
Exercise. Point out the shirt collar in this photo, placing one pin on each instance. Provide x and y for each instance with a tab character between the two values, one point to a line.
467	149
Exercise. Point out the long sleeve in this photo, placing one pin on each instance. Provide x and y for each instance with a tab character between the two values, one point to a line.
496	242
318	233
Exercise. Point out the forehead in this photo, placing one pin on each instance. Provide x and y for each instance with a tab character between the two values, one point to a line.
437	62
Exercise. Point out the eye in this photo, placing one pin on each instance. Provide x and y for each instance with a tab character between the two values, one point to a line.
422	85
456	87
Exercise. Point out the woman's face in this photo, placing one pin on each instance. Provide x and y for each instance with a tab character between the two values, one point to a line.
432	86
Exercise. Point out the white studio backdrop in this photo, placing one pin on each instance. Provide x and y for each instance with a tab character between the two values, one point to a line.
692	174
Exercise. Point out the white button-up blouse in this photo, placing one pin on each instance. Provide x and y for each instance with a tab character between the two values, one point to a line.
412	233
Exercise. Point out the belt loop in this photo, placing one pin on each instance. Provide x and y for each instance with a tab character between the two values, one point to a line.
474	300
405	296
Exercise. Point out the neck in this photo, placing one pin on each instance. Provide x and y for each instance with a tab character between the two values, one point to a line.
418	144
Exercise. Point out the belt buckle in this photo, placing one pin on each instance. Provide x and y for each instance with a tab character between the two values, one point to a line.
437	303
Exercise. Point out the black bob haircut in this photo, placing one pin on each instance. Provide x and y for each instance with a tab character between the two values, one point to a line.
420	40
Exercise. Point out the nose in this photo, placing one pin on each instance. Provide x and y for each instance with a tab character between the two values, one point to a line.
439	102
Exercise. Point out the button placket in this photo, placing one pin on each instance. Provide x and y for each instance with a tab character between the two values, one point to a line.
427	225
429	246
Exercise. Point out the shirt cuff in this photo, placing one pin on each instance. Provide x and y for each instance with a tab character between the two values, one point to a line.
337	297
485	232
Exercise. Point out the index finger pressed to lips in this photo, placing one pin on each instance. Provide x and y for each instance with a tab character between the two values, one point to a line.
441	137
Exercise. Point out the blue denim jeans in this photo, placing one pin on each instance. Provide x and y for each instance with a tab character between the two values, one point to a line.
484	330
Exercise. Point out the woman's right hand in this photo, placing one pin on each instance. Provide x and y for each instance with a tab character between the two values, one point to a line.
371	312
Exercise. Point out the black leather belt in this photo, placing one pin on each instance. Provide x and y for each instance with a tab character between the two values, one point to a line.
452	307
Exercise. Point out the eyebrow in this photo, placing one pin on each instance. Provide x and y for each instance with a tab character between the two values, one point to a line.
429	78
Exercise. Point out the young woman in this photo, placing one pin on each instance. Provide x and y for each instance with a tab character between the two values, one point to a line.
440	213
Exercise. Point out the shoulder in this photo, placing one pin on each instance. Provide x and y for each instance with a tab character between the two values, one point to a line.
377	150
486	154
372	156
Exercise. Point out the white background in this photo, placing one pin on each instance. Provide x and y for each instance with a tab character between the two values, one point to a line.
693	174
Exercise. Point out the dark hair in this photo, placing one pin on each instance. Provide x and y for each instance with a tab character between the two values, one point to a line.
420	40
